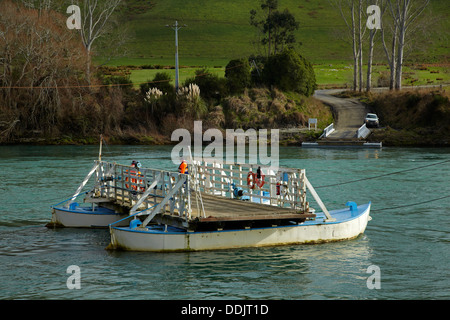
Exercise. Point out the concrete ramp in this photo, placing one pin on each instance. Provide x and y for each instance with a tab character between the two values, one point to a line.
349	116
349	113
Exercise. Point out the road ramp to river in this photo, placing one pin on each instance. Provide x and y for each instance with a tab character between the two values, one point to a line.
349	113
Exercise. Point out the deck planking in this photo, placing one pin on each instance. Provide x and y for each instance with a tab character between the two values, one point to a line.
225	208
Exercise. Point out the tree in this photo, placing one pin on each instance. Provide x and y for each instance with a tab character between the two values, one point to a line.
389	52
372	34
289	71
404	14
161	81
37	58
277	27
351	14
238	74
94	23
360	30
212	87
355	16
42	5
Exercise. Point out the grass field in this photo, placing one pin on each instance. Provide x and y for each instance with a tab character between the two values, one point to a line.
146	75
327	75
218	31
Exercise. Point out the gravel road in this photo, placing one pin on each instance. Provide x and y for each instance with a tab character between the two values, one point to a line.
349	113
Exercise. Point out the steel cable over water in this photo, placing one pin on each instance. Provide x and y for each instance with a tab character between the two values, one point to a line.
410	205
389	174
382	175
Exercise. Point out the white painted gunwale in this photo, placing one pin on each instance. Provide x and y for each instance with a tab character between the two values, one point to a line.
82	217
348	225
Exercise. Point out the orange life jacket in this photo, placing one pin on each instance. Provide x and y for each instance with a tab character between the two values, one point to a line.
183	167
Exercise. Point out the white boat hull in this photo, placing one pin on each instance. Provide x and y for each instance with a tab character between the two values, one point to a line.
348	225
62	217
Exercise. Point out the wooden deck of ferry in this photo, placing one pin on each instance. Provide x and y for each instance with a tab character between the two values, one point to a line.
226	213
223	213
215	212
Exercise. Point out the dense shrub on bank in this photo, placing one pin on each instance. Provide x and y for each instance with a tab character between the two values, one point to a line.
413	117
412	109
289	71
260	108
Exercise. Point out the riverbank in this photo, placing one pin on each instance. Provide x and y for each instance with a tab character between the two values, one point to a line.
288	137
255	108
389	137
410	118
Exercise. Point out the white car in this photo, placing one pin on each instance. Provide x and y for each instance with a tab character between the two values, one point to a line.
372	120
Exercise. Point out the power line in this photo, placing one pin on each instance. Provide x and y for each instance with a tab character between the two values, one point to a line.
382	175
85	86
105	85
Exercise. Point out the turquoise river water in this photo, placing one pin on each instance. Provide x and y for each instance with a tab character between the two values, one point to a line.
407	241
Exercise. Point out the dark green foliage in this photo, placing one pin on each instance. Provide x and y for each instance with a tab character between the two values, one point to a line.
288	71
238	75
276	27
160	81
212	88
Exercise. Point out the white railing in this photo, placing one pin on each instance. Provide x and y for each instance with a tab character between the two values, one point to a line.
327	131
362	132
142	189
285	188
151	191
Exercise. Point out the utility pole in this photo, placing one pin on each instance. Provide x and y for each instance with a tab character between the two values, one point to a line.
176	27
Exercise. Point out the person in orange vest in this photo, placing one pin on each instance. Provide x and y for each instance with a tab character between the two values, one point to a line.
183	168
134	174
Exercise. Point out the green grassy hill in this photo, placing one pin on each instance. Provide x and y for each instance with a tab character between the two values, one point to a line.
219	30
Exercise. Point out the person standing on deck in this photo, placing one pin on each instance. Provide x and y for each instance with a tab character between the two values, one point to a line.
258	173
183	168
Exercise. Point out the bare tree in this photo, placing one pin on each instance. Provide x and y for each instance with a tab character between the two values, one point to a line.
389	52
360	31
40	5
404	14
372	34
96	15
37	57
351	14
